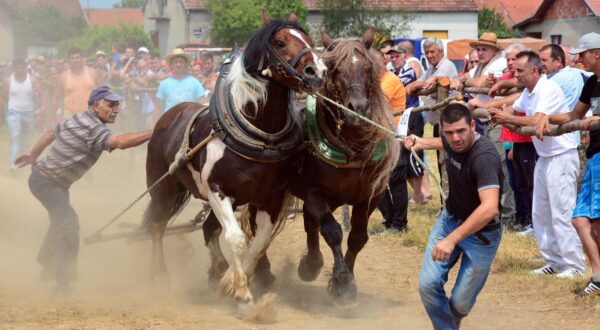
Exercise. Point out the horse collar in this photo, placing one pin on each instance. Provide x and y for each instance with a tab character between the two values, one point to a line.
241	136
324	150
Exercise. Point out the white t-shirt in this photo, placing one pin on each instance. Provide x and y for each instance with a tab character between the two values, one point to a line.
496	67
547	98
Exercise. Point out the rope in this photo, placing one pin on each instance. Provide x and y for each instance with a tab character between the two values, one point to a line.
177	164
387	130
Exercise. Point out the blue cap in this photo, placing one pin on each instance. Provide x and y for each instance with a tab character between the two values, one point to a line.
103	93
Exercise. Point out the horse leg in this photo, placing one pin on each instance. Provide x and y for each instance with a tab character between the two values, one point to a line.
234	282
312	261
358	236
262	222
341	285
155	221
218	264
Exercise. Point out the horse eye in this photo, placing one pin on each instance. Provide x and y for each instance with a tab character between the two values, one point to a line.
280	44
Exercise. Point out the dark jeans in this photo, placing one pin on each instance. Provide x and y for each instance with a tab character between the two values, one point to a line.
59	250
524	159
522	211
394	202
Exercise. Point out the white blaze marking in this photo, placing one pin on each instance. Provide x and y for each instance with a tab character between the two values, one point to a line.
321	68
354	59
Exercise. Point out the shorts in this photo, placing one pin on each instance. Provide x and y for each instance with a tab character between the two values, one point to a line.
588	199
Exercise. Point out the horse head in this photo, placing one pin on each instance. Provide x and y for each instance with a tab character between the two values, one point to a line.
282	51
352	73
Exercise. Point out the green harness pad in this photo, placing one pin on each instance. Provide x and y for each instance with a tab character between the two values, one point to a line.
326	151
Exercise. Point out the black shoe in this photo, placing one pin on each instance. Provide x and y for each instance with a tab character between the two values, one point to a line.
592	288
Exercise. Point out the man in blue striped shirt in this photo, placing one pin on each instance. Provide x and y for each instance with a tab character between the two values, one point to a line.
76	146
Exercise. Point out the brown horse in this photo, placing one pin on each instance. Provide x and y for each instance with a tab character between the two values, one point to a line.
248	162
353	169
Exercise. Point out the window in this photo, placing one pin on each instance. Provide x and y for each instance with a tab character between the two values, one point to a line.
440	34
556	39
537	35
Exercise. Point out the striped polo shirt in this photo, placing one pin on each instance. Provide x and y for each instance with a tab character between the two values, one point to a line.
78	143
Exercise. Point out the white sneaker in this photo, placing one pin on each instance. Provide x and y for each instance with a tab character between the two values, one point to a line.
569	273
546	270
528	232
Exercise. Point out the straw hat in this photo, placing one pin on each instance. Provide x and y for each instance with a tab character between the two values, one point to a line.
178	52
487	39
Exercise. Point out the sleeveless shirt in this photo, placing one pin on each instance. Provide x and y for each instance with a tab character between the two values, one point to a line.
21	95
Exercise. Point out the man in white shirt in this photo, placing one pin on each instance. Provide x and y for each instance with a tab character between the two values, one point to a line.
555	178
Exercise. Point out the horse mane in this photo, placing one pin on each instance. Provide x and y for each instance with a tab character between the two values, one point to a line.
247	83
340	59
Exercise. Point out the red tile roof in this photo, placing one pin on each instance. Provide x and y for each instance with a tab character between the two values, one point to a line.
514	11
115	16
594	6
404	5
68	8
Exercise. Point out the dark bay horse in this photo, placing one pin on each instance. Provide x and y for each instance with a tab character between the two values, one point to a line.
248	162
349	161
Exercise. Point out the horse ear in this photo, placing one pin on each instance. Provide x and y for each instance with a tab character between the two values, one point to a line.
292	17
367	38
326	39
265	17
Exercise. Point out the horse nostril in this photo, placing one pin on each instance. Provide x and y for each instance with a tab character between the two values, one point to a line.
310	71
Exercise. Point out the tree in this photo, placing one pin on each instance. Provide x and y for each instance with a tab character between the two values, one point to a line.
344	18
103	38
45	24
130	4
491	21
235	21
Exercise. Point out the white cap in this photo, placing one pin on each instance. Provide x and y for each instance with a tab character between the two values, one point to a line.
587	42
143	49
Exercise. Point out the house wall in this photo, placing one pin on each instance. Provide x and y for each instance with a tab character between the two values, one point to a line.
570	29
460	25
6	37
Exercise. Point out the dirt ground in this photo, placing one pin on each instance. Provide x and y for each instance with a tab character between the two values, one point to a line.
114	291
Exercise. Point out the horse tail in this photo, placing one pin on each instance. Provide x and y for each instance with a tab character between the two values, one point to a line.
290	203
152	214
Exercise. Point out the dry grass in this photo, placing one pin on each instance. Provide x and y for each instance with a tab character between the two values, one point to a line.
515	258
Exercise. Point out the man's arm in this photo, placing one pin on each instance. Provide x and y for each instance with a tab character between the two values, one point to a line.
506	115
419	143
417	67
3	97
129	140
57	95
475	82
496	103
36	151
579	112
481	216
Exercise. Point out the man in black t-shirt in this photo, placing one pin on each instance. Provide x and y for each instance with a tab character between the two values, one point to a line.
586	215
468	226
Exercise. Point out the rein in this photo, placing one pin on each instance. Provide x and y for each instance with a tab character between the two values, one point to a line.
390	132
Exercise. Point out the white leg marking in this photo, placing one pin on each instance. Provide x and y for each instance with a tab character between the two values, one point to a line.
260	242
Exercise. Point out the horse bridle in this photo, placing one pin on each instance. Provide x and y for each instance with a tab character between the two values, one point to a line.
282	66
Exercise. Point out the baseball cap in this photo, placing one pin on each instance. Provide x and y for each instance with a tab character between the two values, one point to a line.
397	49
103	93
587	42
143	49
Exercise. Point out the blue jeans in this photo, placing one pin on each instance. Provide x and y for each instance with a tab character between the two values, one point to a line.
20	128
477	258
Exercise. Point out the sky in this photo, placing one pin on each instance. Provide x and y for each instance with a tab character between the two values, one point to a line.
97	3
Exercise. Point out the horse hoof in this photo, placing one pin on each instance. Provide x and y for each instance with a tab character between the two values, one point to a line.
309	269
264	311
343	291
263	283
236	285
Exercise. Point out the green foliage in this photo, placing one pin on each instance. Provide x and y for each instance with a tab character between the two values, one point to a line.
103	38
130	4
345	18
235	21
491	21
45	24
